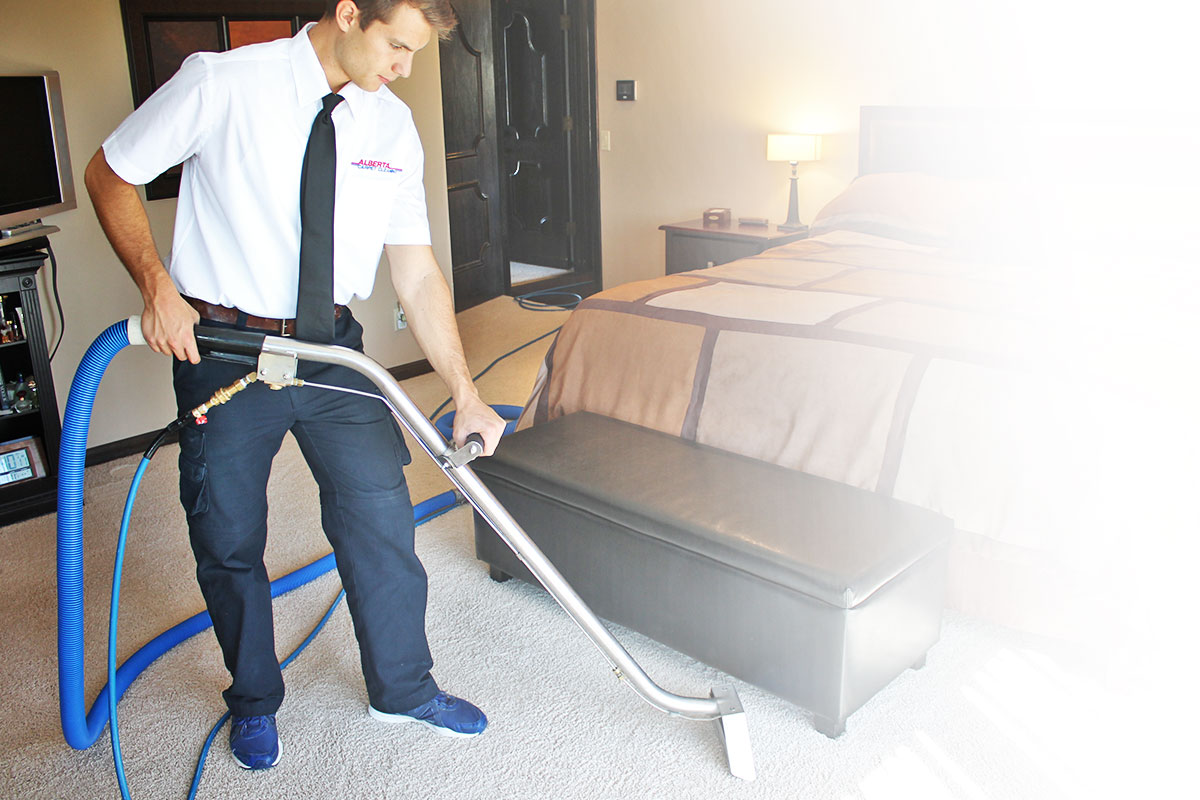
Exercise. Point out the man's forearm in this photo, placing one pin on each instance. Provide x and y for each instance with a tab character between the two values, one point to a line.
426	297
167	320
124	220
430	310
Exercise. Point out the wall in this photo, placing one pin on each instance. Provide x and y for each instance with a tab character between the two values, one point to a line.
715	77
85	43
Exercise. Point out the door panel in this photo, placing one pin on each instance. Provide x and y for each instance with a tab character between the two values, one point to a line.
525	104
530	209
533	132
475	267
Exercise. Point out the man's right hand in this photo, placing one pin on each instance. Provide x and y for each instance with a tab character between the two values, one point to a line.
168	323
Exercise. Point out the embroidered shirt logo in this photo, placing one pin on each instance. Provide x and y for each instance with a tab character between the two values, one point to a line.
375	166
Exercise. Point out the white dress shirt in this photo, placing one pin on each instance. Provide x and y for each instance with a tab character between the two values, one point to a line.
239	123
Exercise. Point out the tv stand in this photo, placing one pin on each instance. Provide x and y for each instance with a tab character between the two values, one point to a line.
29	431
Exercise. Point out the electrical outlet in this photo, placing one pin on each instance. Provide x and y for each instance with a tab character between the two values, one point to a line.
401	320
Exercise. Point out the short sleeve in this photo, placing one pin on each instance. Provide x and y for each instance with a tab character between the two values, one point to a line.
165	130
409	222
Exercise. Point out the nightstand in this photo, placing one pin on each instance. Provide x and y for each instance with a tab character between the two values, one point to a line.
694	245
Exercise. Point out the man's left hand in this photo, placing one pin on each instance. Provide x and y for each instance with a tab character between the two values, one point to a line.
476	416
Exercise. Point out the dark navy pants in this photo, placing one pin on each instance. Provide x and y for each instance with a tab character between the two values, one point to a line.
356	453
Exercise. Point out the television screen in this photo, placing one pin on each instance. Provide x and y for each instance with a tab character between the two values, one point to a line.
27	155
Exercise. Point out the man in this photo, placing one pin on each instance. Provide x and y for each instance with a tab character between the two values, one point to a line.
241	122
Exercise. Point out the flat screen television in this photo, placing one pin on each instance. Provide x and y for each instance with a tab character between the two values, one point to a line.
35	166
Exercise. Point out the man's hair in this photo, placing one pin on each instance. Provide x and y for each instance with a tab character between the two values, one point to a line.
437	13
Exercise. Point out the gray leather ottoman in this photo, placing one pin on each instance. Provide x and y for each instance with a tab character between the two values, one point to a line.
816	591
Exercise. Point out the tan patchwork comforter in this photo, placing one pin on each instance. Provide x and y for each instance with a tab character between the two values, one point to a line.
893	367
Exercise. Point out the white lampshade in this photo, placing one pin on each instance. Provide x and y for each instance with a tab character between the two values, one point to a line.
793	147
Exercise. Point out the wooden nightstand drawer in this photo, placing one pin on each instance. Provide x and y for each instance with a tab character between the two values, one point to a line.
693	245
688	252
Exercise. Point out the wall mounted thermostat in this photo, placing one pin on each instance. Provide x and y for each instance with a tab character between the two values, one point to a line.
627	90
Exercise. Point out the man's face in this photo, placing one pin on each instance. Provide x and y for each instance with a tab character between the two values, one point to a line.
384	51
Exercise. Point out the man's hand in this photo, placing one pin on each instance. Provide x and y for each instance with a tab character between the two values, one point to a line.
168	323
476	416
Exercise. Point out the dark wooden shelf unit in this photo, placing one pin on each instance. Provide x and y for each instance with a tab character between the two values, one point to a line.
36	430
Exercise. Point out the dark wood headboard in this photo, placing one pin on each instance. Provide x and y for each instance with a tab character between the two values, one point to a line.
1038	144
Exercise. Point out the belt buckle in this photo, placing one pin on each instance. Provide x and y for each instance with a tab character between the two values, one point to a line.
283	328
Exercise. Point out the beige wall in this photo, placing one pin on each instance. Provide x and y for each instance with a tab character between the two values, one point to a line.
715	77
85	43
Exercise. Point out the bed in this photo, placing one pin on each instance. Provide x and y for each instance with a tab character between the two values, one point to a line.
904	348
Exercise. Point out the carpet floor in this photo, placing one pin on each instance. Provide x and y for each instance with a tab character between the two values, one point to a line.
994	714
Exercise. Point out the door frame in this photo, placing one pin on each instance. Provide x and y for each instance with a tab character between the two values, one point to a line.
474	168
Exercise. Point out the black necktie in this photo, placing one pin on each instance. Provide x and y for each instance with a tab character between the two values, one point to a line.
314	304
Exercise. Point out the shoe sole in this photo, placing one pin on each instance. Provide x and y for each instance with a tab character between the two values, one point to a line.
398	719
278	755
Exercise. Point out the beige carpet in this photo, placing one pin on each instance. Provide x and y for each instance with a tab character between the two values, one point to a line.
993	715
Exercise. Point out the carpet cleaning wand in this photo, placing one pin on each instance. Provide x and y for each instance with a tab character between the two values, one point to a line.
277	361
277	358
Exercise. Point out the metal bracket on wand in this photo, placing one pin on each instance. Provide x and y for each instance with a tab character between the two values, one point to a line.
471	450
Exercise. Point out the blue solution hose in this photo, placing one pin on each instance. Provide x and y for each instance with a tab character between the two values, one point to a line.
113	614
423	512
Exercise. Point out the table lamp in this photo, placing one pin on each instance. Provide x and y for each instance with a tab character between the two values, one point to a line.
793	148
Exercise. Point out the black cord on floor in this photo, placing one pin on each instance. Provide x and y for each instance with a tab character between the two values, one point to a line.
446	402
530	302
534	301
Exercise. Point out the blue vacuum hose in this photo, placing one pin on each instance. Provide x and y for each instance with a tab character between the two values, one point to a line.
510	415
81	729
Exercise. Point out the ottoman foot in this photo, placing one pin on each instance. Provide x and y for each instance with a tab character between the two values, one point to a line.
829	727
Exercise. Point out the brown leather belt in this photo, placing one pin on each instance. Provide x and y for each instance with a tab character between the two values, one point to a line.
232	316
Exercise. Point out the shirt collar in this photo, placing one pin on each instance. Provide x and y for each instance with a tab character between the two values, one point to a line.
311	83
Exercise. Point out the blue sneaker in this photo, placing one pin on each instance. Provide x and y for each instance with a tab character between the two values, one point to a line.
446	714
255	742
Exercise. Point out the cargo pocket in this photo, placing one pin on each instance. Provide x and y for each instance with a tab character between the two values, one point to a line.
401	447
193	472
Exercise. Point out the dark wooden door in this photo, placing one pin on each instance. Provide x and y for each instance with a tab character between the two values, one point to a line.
521	158
472	157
